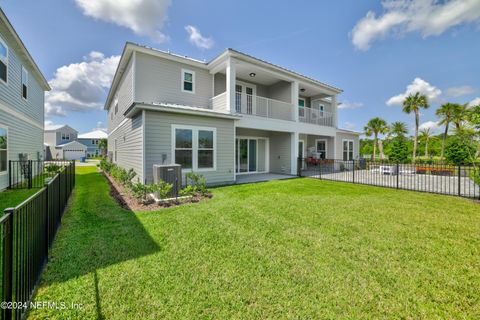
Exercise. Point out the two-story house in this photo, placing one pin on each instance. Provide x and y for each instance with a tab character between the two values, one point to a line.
22	95
61	143
235	115
91	140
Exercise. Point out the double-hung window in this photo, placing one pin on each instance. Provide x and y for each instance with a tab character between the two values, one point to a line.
65	136
3	150
347	150
24	83
194	147
3	61
188	81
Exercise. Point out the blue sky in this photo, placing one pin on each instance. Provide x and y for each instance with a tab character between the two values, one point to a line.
372	50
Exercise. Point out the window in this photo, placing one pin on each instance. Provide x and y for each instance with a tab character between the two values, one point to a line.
321	108
188	81
194	147
321	146
24	83
347	150
65	136
94	141
301	107
3	150
3	61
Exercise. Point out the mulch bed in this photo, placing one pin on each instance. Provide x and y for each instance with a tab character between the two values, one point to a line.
126	201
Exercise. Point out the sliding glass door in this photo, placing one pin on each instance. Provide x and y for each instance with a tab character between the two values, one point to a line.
246	155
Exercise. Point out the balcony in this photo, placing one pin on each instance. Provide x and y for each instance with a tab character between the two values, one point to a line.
256	106
316	116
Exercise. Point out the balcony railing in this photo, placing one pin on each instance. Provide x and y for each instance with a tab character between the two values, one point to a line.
263	107
219	103
316	116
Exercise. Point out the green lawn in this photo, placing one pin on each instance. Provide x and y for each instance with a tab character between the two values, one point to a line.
296	248
12	198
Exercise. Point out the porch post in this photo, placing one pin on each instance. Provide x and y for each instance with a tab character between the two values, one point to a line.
334	111
294	100
294	155
231	75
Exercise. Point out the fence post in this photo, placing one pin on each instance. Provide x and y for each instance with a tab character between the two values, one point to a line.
47	223
8	260
9	174
398	174
459	184
353	175
30	175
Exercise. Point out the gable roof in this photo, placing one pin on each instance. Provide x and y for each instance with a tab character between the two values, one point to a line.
24	52
96	134
131	47
56	127
74	143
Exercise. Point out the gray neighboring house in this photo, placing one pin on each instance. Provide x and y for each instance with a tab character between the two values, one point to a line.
235	115
91	140
22	96
61	143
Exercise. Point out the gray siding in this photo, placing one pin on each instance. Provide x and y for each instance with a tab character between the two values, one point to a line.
22	138
339	145
158	141
125	97
331	145
280	91
129	138
159	80
280	151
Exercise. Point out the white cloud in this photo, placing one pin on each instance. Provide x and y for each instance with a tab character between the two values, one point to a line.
144	17
418	85
349	125
197	39
350	105
428	17
432	125
81	86
460	91
474	102
100	126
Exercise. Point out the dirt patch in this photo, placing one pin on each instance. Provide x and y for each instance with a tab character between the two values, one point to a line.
126	201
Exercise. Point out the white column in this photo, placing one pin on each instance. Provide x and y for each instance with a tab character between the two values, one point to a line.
294	100
294	150
334	111
231	80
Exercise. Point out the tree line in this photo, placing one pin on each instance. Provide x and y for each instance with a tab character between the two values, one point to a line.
459	143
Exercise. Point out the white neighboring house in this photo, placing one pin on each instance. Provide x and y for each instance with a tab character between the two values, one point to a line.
61	143
91	140
235	115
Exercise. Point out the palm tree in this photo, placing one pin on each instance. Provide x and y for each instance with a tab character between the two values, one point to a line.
426	135
445	113
375	127
413	103
398	129
102	145
460	115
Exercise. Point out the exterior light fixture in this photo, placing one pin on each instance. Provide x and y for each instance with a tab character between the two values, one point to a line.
252	74
302	90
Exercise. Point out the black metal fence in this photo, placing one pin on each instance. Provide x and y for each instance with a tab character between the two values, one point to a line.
28	174
435	177
28	231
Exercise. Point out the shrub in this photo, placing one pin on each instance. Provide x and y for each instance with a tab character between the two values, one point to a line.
162	189
105	165
198	183
187	191
52	169
140	190
398	150
459	150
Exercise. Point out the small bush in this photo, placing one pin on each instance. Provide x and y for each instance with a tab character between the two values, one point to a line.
162	189
198	183
187	191
52	169
459	150
140	190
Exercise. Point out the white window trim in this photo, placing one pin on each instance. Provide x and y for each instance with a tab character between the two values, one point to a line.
2	173
348	148
326	146
267	154
304	106
66	135
182	78
6	60
21	89
195	130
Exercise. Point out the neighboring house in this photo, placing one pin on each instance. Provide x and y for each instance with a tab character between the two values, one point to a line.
231	116
61	143
91	140
22	96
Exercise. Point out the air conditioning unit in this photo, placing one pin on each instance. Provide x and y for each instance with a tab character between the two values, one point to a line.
171	173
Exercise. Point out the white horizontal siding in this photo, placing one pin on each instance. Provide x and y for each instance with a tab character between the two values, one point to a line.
125	97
